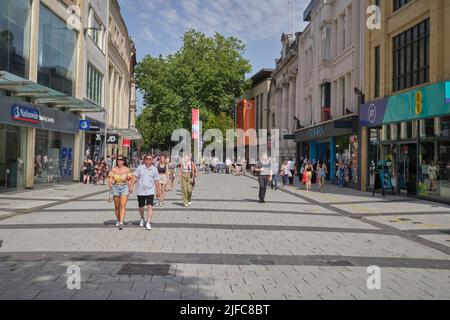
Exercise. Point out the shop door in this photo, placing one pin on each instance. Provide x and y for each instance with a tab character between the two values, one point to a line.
407	169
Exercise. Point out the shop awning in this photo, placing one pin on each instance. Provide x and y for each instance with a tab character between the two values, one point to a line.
43	95
127	133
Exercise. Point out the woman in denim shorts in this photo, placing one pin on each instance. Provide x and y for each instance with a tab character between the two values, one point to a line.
120	179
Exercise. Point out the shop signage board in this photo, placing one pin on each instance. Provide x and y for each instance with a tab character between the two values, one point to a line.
85	125
422	103
112	139
339	127
372	114
126	143
24	114
447	92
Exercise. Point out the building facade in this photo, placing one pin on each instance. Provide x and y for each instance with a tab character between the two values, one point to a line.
121	61
330	57
406	120
94	73
283	95
53	62
259	92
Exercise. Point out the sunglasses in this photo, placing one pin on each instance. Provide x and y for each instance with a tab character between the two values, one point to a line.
120	159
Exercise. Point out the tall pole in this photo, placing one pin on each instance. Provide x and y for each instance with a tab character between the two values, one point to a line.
106	134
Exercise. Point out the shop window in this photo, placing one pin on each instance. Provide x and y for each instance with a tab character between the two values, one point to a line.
411	57
57	53
94	85
326	101
434	170
377	73
97	30
326	43
12	156
400	3
445	127
347	154
427	128
14	36
53	157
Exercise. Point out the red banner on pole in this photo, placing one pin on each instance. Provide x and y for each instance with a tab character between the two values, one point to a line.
195	124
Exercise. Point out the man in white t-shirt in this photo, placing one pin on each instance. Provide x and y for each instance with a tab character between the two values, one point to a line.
147	177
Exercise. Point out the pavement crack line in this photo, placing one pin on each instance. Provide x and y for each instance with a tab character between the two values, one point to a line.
391	230
18	212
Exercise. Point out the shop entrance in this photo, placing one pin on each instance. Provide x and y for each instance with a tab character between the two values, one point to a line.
407	168
323	155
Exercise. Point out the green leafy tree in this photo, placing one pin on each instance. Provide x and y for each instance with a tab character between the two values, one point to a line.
206	73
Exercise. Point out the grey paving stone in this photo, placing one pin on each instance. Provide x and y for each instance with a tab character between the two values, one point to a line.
159	295
55	295
13	294
91	295
127	295
111	286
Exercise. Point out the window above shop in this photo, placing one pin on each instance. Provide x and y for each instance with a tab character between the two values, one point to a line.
400	3
96	30
23	88
411	57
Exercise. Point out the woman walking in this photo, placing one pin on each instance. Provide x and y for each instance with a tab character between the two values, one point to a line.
87	166
309	171
321	174
120	180
163	170
187	179
285	171
341	174
172	173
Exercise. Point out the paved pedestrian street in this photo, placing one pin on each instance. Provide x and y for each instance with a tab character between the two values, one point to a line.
298	245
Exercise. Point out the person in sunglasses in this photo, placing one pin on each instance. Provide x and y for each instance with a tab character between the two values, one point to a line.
147	177
119	182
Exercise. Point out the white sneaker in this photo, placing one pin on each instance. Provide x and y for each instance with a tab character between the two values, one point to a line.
186	205
117	223
190	204
142	223
148	226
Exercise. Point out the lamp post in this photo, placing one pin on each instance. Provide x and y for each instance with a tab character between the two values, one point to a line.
106	134
361	101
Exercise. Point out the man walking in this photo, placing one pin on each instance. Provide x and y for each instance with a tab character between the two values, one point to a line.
147	177
264	169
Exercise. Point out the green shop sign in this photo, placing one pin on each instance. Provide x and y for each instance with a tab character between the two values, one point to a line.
426	102
447	92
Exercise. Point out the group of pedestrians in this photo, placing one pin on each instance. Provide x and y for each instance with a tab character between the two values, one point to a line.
269	170
153	178
95	172
313	172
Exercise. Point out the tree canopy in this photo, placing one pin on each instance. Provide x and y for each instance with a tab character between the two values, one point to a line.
207	73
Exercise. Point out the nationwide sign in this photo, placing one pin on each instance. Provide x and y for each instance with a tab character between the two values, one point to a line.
29	114
26	114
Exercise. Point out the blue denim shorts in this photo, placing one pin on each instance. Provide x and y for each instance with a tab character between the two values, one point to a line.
120	190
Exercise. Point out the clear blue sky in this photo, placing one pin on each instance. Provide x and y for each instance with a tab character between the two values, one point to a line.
157	26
